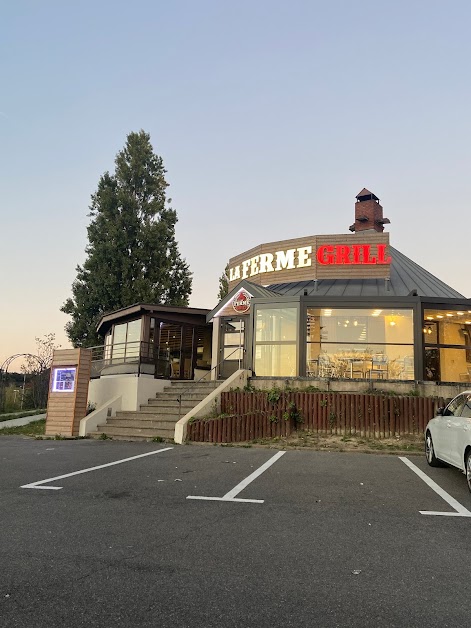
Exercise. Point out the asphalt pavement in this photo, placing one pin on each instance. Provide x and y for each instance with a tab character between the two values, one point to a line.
335	539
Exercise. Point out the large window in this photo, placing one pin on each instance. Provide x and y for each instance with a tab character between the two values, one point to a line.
126	340
359	343
447	341
276	333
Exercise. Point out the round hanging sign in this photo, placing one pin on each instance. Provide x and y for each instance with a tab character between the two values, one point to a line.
241	302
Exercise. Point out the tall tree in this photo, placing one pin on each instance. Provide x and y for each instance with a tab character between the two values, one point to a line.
132	253
223	284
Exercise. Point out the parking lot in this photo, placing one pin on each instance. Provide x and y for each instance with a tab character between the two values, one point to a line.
225	536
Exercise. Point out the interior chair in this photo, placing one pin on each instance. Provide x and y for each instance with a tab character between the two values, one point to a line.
326	367
379	366
340	368
312	369
358	369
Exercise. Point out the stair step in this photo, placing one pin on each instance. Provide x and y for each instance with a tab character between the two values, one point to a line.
99	435
149	416
175	397
158	417
192	387
132	423
176	412
171	403
184	393
132	431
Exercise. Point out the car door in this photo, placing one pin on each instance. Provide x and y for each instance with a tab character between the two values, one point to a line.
438	427
460	432
453	430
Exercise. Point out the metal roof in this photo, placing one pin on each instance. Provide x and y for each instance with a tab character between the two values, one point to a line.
261	291
177	312
406	277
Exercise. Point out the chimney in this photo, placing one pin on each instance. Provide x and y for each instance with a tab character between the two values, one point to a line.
368	213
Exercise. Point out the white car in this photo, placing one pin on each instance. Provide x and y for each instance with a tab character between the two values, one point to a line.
448	436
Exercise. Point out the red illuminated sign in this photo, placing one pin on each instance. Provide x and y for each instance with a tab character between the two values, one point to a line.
341	254
241	302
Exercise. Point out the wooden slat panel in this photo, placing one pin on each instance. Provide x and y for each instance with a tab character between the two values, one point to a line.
315	270
374	416
69	408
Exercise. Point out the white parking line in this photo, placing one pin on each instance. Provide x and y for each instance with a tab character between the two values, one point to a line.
231	495
461	511
101	466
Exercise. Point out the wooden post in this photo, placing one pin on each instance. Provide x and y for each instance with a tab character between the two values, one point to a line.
68	391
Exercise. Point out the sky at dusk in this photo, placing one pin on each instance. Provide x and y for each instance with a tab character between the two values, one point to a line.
269	116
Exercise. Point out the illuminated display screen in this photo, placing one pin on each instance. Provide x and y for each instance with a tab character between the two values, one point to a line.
63	380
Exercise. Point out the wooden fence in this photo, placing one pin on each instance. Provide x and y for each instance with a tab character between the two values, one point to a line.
249	416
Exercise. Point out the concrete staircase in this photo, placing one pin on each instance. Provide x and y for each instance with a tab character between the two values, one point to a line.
157	418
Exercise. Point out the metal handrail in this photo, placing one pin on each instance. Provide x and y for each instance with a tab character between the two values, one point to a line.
137	352
179	398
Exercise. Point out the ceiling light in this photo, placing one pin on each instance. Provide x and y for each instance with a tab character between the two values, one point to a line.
430	318
449	314
439	316
376	312
460	313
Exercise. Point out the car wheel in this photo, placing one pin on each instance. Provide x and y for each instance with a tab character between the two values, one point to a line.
468	469
430	452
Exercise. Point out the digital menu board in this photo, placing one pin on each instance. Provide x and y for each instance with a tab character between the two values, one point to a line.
63	379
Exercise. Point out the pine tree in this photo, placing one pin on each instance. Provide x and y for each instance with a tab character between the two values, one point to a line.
223	284
132	254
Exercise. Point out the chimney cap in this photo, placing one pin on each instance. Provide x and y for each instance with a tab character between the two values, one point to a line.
366	195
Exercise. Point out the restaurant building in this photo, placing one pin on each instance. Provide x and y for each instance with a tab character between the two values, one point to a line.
347	306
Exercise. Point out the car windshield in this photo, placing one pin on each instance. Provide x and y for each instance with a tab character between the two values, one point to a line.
466	411
455	406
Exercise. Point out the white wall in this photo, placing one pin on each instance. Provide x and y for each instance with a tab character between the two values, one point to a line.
91	422
132	389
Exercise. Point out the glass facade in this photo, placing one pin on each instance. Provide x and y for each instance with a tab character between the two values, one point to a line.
159	343
275	348
124	343
359	343
447	344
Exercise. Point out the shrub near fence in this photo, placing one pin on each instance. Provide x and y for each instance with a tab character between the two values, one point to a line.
251	415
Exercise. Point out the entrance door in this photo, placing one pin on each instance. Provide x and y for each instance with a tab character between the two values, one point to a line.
176	355
232	347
